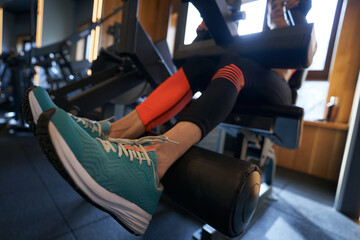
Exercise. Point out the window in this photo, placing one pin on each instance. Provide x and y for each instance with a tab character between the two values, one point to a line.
192	22
255	12
325	22
254	21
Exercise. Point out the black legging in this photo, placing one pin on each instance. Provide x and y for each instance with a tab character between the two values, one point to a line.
219	98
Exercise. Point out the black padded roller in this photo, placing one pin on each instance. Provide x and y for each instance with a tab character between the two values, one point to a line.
222	191
290	47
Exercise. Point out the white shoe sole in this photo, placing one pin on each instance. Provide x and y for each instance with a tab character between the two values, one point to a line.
128	213
36	110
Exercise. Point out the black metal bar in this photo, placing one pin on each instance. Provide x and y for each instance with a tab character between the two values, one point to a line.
217	17
347	198
93	79
33	3
270	172
106	90
149	60
238	146
164	51
128	27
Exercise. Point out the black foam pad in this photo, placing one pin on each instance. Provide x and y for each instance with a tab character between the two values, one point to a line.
222	191
290	47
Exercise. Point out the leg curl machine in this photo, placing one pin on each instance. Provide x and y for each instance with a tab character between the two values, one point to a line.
256	127
220	190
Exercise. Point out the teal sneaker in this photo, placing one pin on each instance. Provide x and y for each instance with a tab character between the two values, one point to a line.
36	101
116	175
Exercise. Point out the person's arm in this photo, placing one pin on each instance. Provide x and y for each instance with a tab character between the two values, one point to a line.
276	19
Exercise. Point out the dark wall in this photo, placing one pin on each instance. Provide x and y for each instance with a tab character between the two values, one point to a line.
61	19
83	12
22	24
14	25
58	20
9	39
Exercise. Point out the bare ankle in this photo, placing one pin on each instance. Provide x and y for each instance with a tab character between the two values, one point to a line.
129	126
164	162
185	134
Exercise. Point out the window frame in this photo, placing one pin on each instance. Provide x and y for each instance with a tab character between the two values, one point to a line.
323	75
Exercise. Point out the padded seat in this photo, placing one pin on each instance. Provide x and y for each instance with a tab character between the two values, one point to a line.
280	123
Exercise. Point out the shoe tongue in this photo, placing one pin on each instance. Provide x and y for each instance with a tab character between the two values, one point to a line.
152	154
105	127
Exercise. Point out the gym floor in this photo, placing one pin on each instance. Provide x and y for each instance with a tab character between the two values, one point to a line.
36	203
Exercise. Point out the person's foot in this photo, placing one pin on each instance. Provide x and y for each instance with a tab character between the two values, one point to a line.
116	175
36	101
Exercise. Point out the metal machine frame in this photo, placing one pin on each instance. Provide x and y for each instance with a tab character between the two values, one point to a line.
137	58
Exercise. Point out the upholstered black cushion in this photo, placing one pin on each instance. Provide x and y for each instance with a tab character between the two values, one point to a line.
220	190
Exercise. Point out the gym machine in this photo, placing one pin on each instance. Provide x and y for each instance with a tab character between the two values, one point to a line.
21	65
220	190
255	127
135	61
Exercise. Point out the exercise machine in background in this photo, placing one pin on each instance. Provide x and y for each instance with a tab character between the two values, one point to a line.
56	61
255	128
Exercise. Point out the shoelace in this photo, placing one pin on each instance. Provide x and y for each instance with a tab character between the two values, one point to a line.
93	125
138	151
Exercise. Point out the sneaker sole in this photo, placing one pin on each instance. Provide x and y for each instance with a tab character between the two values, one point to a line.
129	215
26	110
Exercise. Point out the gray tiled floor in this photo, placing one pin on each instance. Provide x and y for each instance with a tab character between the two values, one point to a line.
26	207
36	203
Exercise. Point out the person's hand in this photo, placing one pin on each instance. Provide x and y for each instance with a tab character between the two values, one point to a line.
202	27
276	17
290	4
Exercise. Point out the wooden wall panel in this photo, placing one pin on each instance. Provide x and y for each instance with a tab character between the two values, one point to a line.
323	144
308	140
285	157
346	64
320	153
154	16
335	163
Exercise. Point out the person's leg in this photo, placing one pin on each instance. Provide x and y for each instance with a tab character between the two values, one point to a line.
263	86
167	100
186	134
219	97
163	103
129	126
121	176
212	107
238	81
